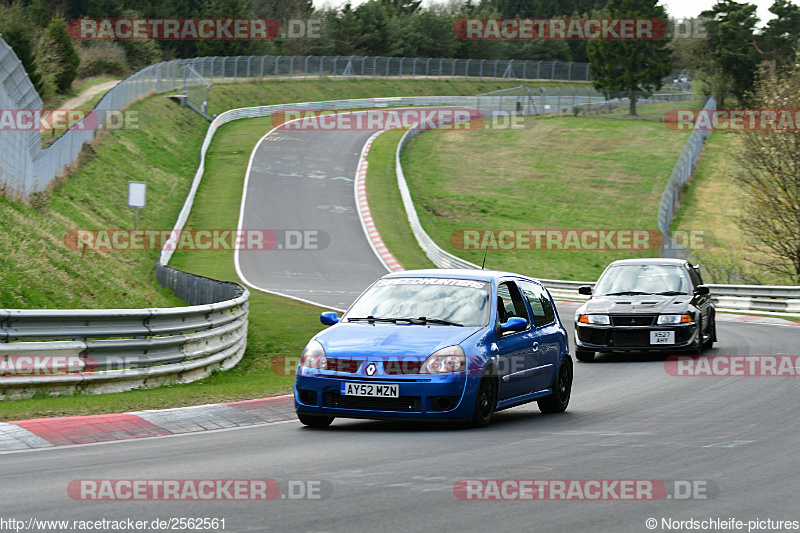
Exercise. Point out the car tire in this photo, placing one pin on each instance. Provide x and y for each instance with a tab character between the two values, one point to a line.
485	401
562	389
314	421
712	335
582	354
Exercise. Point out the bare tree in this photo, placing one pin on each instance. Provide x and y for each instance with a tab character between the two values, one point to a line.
770	175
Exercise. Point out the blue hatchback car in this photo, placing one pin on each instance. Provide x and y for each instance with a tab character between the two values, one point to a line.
434	345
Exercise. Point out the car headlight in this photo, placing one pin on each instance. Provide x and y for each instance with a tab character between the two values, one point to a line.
595	320
674	319
313	356
449	359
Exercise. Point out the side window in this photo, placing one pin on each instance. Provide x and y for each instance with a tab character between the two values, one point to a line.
695	275
509	302
541	306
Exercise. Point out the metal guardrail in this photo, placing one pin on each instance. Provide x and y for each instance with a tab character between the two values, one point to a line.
120	349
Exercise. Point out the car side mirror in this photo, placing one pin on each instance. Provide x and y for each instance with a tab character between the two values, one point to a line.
515	323
329	318
701	290
585	289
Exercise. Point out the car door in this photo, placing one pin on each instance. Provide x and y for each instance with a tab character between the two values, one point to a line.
516	359
549	336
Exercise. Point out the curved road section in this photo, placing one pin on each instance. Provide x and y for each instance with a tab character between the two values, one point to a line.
300	187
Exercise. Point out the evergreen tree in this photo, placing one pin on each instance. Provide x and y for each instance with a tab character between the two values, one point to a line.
632	68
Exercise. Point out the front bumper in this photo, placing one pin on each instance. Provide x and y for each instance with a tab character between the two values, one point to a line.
437	397
632	338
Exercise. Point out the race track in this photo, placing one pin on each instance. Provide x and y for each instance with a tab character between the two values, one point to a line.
628	420
736	437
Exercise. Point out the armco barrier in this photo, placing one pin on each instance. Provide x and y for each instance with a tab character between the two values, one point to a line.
121	349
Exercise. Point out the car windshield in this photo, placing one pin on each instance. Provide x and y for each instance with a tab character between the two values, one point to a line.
629	280
440	301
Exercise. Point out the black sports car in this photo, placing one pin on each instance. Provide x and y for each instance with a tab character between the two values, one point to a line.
645	304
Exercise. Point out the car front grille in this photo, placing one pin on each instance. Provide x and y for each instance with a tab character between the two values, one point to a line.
408	404
344	365
624	338
633	320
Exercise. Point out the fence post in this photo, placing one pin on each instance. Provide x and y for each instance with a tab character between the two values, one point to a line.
466	70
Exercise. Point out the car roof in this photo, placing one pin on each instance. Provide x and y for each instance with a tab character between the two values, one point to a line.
463	273
651	261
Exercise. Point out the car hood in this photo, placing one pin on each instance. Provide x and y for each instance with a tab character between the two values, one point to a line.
359	339
640	304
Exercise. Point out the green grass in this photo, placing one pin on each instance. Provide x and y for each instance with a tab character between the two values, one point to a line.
39	270
386	205
711	206
554	173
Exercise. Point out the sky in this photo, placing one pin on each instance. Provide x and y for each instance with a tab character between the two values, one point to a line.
675	8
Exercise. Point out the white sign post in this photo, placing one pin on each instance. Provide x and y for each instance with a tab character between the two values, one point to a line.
137	190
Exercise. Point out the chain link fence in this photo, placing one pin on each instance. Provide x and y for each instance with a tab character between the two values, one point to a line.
26	167
523	100
680	175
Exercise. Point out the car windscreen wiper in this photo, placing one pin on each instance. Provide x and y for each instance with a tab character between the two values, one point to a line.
420	320
439	321
371	318
670	293
626	293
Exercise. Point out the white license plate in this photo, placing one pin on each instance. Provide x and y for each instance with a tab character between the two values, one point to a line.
377	390
662	337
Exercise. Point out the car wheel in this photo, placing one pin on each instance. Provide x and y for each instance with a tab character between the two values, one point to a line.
562	388
314	421
582	354
486	401
712	335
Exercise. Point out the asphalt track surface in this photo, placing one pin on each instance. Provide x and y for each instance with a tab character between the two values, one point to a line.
628	419
304	181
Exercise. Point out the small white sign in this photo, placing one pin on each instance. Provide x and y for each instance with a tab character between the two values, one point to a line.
136	193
